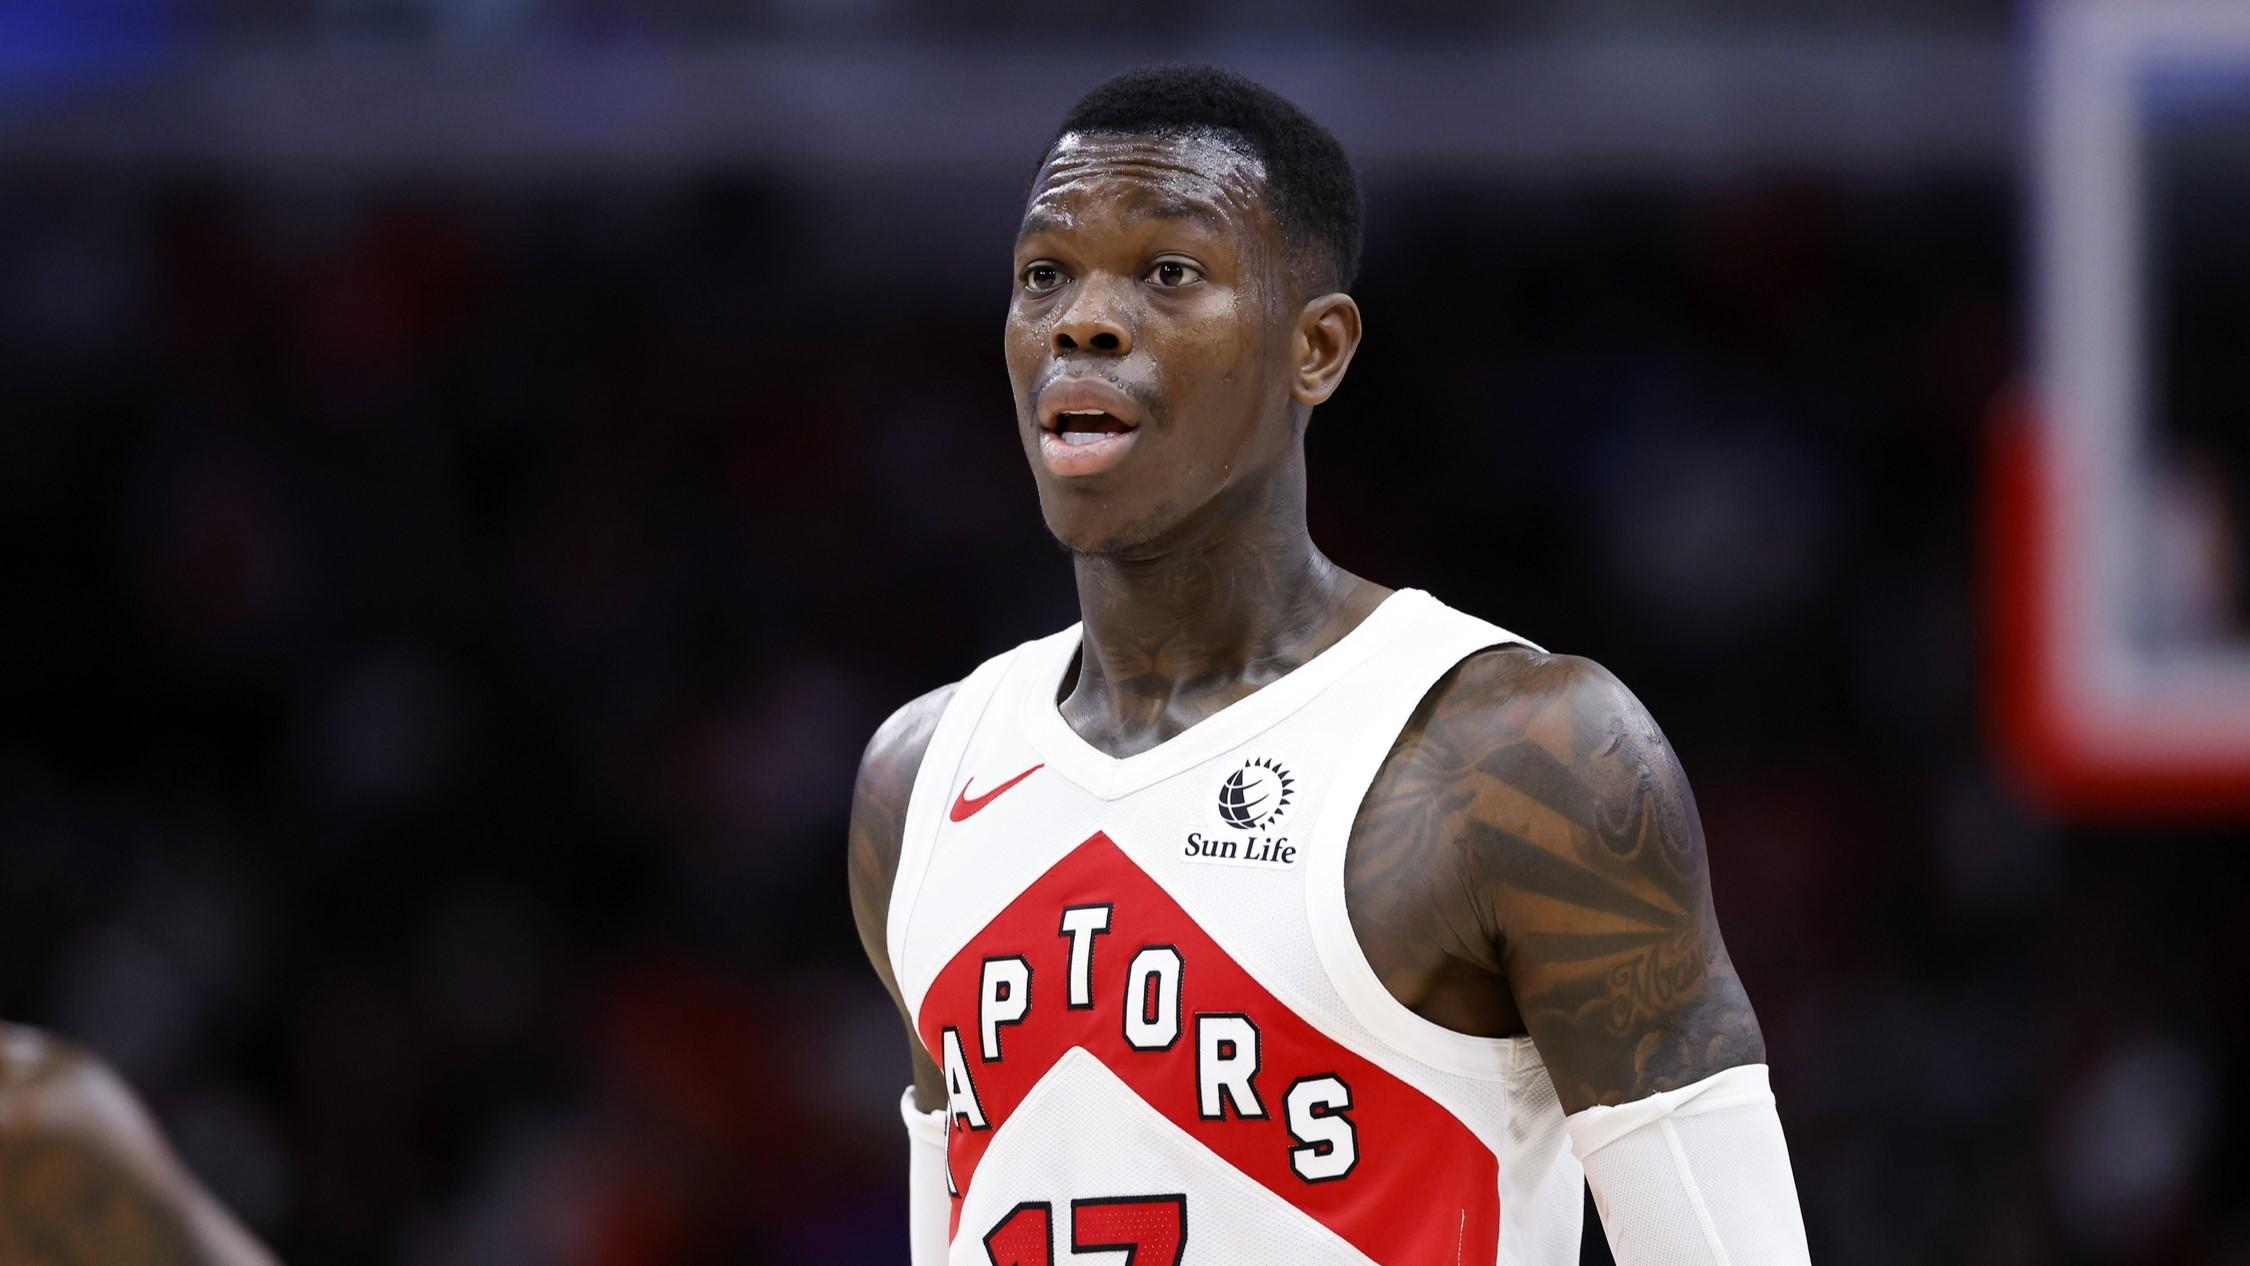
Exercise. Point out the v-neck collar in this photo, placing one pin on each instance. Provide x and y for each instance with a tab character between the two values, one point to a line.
1109	777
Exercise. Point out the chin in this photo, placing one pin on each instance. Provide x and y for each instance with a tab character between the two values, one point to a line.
1108	532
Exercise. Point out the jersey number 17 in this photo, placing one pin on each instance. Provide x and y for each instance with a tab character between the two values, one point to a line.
1151	1231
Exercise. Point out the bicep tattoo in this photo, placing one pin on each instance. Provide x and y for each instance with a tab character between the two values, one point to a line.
1583	835
64	1201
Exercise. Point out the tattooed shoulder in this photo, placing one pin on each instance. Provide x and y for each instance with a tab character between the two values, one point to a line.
1577	833
82	1176
66	1200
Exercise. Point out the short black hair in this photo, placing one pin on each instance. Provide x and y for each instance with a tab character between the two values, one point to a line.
1310	187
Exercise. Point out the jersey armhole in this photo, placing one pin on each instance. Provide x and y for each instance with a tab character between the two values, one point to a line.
941	762
1497	1059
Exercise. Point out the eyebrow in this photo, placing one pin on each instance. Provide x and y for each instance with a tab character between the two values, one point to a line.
1179	209
1169	209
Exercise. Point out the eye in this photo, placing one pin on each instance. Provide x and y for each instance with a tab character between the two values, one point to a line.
1173	273
1042	277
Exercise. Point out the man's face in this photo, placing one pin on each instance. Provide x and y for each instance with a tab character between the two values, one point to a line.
1148	339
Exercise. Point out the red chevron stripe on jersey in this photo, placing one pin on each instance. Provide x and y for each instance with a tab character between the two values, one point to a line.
1424	1188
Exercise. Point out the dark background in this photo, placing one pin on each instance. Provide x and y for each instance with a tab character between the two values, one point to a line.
476	473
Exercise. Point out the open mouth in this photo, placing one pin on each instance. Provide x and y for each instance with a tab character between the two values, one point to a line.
1086	426
1080	427
1080	442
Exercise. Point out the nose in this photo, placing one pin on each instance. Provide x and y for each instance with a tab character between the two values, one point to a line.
1092	323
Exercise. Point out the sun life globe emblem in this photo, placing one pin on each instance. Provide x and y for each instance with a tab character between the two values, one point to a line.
1254	795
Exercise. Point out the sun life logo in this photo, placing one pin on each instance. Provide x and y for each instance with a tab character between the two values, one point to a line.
1253	796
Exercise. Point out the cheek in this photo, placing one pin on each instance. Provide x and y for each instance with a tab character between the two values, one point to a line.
1223	346
1023	344
1239	362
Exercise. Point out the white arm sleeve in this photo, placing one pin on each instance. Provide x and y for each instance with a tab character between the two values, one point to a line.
1697	1176
929	1209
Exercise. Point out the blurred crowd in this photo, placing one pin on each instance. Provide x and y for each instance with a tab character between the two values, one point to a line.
445	622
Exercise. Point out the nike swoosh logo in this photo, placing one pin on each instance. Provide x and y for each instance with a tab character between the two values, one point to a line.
964	807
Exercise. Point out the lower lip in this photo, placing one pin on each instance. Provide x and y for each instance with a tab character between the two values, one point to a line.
1074	460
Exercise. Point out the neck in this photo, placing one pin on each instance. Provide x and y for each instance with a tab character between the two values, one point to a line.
1174	632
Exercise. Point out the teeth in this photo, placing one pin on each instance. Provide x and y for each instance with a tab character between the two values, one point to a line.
1078	438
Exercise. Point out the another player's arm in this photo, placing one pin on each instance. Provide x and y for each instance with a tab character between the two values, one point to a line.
85	1176
1572	855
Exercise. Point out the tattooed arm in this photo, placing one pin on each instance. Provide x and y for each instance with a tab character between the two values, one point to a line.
1530	860
1588	836
86	1178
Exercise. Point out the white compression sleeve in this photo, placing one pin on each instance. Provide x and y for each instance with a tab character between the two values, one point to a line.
929	1209
1697	1176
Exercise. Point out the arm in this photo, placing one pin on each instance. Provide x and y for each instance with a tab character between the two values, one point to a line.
86	1177
1592	870
879	799
1583	861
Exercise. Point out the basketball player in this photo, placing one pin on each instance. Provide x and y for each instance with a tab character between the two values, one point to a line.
1270	915
86	1178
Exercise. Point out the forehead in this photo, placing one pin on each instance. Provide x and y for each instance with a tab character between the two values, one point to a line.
1096	176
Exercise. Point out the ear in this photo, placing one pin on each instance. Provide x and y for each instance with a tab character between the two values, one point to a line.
1327	334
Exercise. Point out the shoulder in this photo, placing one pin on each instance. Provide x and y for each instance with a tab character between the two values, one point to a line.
110	1189
1521	691
50	1087
1517	710
1518	757
65	1109
880	792
894	755
1571	821
885	781
1559	753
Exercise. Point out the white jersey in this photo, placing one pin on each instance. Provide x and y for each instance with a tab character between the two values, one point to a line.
1161	1040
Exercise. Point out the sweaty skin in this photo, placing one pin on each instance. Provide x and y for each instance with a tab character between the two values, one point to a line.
86	1178
1529	858
1145	265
